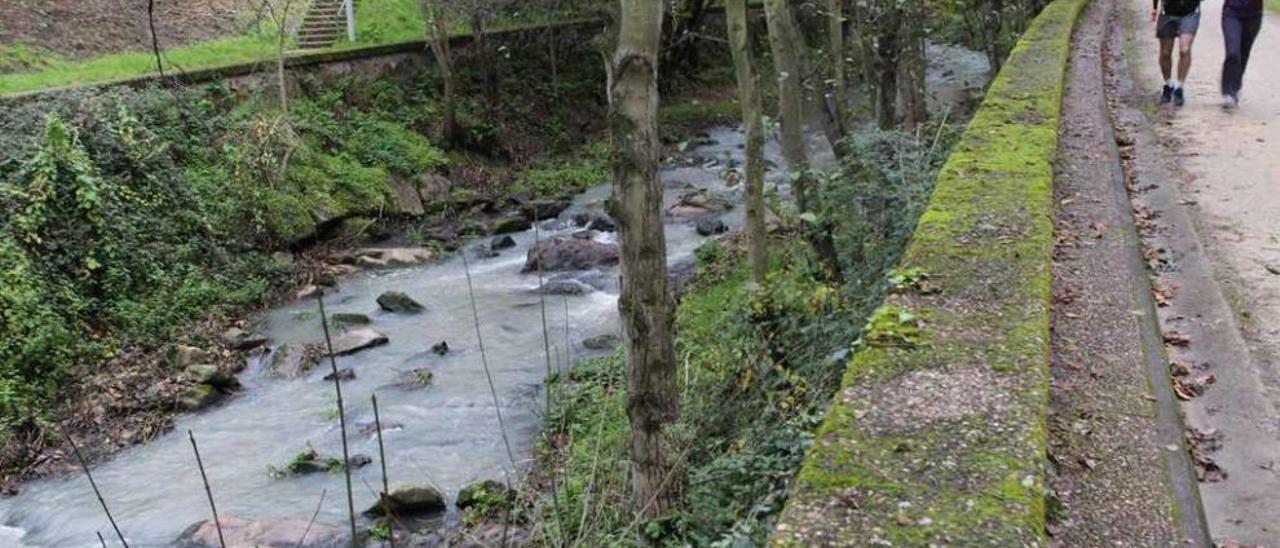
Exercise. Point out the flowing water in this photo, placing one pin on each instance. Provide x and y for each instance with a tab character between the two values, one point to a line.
450	434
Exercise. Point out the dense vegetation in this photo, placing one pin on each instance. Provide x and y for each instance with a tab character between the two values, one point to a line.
128	218
757	370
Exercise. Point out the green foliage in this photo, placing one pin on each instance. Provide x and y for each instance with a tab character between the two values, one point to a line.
587	168
892	326
16	58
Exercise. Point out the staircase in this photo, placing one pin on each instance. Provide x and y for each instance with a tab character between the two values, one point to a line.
324	24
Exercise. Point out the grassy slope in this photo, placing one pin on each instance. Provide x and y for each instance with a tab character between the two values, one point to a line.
968	462
379	22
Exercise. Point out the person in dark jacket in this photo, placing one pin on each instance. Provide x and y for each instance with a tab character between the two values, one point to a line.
1241	21
1178	20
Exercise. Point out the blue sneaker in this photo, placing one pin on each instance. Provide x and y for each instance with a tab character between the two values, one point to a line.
1178	98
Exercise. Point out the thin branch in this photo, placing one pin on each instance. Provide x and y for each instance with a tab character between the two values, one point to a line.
85	466
314	515
342	417
100	539
155	39
200	463
382	458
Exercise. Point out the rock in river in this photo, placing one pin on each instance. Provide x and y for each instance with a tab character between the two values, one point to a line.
566	287
569	254
699	203
395	301
484	491
595	221
510	224
393	256
196	397
538	210
265	533
602	342
502	242
349	318
408	500
344	374
710	226
239	339
357	340
294	360
212	376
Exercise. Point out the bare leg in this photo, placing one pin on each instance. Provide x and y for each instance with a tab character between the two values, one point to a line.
1166	58
1184	55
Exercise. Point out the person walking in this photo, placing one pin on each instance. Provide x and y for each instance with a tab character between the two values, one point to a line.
1241	21
1177	22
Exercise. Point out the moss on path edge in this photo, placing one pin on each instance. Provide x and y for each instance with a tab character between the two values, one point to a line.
939	438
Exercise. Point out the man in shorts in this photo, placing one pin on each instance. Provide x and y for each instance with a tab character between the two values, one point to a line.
1177	21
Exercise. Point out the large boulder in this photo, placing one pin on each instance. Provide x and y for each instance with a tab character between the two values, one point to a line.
569	254
602	342
239	339
395	301
408	500
699	203
294	360
710	226
197	397
212	376
508	224
393	256
356	340
538	210
481	492
183	356
595	221
262	533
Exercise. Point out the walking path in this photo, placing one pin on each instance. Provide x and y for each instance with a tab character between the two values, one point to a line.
1206	189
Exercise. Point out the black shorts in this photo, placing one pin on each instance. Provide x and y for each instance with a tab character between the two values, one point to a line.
1173	26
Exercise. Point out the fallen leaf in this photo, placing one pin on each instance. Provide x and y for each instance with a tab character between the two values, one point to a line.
1174	338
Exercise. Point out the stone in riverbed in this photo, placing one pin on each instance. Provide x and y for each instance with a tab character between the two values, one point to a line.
349	318
595	221
357	340
395	301
294	360
538	210
182	356
699	203
710	226
441	348
566	287
266	533
393	256
344	374
502	242
196	397
239	339
569	254
408	500
602	342
484	491
510	224
413	379
212	376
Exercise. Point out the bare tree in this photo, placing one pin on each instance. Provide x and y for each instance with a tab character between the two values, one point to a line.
753	121
279	12
839	83
912	67
436	28
645	304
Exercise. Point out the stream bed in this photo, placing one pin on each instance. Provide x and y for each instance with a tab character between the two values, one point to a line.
448	434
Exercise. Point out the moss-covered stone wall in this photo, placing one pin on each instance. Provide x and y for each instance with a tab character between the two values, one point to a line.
938	434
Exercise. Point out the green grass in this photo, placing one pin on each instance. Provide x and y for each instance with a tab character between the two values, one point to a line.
378	22
1273	6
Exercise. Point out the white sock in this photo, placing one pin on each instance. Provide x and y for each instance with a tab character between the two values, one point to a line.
1177	85
1171	83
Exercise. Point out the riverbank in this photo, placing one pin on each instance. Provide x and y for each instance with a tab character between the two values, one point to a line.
198	224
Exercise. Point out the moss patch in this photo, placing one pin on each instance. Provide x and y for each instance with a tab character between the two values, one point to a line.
944	442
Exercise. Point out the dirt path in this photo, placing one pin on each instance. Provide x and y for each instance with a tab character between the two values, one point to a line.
1204	183
1115	434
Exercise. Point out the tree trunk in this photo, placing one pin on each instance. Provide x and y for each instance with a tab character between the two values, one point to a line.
839	84
437	31
645	304
753	120
488	62
887	51
913	67
790	69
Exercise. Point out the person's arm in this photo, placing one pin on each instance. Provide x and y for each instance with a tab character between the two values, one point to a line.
1155	10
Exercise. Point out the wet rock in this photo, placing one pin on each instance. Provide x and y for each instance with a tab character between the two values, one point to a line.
239	339
566	287
393	256
699	203
583	235
359	461
485	252
537	210
196	397
511	224
266	533
349	318
212	376
710	226
595	221
602	342
569	254
441	348
502	242
413	379
369	428
490	491
182	356
408	500
357	340
395	301
307	292
344	374
294	360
